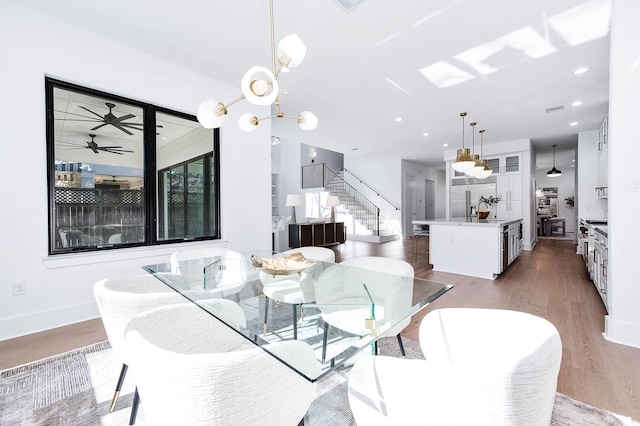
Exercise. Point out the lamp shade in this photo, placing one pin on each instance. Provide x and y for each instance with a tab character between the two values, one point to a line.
477	166
486	171
333	201
554	172
212	114
248	122
291	51
293	200
259	86
307	120
463	161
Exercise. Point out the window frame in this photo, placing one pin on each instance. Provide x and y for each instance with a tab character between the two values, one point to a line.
150	171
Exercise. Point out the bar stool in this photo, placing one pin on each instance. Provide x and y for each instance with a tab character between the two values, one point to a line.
418	234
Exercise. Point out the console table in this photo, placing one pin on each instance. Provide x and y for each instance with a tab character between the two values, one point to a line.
316	234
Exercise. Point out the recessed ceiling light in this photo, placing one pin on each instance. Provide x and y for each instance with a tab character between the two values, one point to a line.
573	123
286	92
576	103
573	165
425	134
398	119
445	144
581	71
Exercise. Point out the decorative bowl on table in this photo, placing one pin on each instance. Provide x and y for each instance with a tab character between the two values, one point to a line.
291	264
483	214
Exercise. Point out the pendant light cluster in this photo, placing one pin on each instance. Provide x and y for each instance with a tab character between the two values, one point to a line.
471	164
554	172
260	87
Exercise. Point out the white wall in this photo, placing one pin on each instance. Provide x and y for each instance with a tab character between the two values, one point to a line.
59	288
623	322
421	172
588	204
566	187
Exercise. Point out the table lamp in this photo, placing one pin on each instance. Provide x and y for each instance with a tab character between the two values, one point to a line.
293	200
333	201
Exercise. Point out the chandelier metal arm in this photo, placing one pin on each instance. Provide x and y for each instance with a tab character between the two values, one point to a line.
273	42
235	101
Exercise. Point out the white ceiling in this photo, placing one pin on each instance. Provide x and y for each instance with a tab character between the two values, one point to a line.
362	68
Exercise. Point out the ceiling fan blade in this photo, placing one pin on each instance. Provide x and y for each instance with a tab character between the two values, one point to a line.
134	126
77	115
94	113
124	117
101	125
110	147
118	126
111	151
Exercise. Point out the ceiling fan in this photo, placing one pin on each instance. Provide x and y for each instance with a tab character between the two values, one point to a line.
92	145
110	118
117	122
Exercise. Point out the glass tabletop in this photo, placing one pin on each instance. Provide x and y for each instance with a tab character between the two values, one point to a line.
338	310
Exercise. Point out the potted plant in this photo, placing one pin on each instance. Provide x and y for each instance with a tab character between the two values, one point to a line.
570	201
489	202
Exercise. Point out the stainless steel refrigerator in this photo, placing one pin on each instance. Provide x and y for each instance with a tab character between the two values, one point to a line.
465	195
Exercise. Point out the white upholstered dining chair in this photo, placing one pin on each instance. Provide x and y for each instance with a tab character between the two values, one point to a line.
294	289
119	300
191	369
481	367
390	284
228	281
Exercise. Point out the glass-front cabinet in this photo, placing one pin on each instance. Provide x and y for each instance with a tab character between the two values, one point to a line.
500	165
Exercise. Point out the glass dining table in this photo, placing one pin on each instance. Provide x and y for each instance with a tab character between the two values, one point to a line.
337	310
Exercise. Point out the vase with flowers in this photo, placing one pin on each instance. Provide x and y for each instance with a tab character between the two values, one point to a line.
489	202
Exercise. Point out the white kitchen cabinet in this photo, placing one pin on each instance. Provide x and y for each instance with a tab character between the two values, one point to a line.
602	190
510	190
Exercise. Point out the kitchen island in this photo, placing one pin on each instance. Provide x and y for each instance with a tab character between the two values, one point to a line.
469	246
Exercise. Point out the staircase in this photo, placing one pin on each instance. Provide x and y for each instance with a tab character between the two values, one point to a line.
360	215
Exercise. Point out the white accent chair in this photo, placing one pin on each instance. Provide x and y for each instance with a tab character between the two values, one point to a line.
119	300
390	283
482	367
190	369
228	282
294	289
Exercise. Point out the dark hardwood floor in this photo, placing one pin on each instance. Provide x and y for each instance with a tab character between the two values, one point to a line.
550	281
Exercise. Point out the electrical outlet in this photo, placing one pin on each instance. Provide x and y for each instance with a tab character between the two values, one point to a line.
19	288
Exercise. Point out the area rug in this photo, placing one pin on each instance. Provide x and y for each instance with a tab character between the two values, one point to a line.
75	388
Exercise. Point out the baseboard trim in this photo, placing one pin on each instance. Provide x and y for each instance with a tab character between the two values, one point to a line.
621	332
45	320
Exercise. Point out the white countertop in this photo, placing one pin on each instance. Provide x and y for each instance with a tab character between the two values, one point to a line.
466	221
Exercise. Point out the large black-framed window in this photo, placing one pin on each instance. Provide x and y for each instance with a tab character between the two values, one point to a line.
104	156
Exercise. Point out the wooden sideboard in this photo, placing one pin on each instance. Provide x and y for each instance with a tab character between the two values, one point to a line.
316	234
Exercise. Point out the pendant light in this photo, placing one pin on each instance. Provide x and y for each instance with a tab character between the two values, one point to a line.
477	165
554	172
486	170
463	159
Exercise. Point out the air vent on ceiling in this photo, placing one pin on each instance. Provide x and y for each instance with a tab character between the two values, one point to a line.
555	109
349	4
